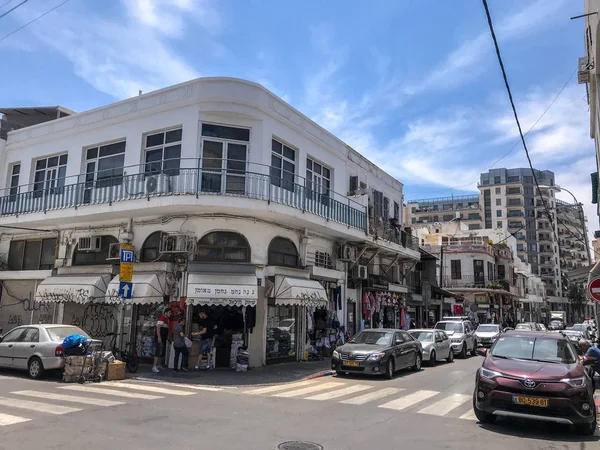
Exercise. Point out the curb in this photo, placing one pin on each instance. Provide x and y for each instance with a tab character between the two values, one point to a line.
324	373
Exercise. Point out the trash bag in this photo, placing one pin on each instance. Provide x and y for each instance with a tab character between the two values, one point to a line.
74	340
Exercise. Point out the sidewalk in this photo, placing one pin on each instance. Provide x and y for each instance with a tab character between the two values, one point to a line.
274	374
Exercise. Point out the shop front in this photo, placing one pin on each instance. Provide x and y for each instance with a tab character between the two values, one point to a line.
382	308
17	302
229	300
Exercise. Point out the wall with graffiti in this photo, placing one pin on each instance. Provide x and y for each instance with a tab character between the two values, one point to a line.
96	319
18	307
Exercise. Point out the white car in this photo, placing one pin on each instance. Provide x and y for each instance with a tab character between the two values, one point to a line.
487	334
436	345
36	348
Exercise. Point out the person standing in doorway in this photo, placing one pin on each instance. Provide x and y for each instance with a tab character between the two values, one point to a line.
180	347
206	333
161	335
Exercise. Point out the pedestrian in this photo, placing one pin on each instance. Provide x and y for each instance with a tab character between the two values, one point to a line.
180	346
161	335
206	333
590	352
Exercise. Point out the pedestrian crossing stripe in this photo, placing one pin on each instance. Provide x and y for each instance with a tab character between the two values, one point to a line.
7	419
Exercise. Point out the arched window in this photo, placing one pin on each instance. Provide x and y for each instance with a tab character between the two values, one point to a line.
150	247
283	252
223	246
82	258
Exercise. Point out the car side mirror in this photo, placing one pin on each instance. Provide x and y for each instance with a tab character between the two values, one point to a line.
482	351
398	342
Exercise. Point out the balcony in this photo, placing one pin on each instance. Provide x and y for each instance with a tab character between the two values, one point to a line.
513	191
514	225
475	282
239	179
515	214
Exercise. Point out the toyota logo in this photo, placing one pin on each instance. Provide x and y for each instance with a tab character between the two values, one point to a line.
529	383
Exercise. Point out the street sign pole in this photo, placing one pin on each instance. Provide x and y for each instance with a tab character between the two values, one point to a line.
127	260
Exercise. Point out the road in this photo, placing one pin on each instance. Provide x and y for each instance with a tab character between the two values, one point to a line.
429	410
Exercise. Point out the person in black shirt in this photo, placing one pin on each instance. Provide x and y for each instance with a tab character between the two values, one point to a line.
206	333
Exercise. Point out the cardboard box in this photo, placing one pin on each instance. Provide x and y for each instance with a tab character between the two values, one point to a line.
115	371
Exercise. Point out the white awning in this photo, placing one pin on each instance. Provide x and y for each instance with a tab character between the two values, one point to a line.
73	288
299	291
146	288
222	289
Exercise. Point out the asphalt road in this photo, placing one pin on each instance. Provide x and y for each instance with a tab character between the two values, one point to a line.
428	410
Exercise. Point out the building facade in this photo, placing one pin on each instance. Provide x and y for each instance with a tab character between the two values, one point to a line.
233	202
463	208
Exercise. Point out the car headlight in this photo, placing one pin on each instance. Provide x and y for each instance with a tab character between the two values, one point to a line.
376	356
489	374
335	354
456	340
574	382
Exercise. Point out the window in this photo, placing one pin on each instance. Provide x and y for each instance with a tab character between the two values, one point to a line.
478	271
396	211
498	213
498	191
496	180
514	179
81	258
498	202
224	152
13	335
283	165
353	184
377	204
30	335
323	259
104	166
151	247
455	269
33	254
13	175
223	246
163	152
501	271
528	180
49	176
283	252
318	181
386	208
490	269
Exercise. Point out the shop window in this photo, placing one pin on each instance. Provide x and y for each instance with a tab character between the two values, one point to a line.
33	254
223	246
81	258
283	252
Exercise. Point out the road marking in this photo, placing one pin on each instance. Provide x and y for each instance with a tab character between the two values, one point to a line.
280	387
69	398
37	406
340	392
155	389
444	406
308	390
103	391
408	400
469	415
362	399
7	419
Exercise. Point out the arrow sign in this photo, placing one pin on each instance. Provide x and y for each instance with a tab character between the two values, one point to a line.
125	289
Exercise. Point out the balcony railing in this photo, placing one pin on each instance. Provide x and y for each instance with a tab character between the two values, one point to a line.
207	178
388	231
475	282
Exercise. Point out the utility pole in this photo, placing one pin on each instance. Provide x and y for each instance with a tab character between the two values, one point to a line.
442	267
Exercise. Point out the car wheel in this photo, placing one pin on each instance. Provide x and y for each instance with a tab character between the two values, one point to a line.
339	373
450	357
418	362
389	369
463	351
483	417
35	368
588	429
432	358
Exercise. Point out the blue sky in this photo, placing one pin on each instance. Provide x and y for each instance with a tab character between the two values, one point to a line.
412	84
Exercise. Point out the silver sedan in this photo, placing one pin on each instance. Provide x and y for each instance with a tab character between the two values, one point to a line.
35	348
436	345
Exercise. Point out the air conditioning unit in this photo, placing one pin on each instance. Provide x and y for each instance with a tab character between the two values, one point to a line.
360	272
175	242
114	251
89	244
583	70
157	184
344	252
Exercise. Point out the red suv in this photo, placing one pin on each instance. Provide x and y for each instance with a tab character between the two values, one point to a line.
534	375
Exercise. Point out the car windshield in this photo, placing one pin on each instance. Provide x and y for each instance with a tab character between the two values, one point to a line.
372	338
423	336
455	327
488	328
534	349
579	327
58	334
524	326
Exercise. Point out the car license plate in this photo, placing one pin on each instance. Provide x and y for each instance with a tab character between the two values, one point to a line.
530	401
351	363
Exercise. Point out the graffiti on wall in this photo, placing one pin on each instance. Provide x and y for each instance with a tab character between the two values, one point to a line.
15	319
75	295
98	320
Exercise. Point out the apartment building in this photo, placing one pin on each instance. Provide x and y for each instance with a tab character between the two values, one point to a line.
463	208
229	200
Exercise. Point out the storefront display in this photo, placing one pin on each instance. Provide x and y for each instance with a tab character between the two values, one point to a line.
281	331
381	309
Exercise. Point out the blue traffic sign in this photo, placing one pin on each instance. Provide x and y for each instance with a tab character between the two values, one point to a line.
125	289
127	256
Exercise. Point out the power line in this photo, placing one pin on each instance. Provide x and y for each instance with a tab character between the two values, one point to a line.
34	20
5	3
514	109
13	8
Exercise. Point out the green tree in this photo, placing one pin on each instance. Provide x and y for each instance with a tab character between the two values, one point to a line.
577	297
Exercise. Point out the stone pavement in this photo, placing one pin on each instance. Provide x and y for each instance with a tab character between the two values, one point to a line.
273	374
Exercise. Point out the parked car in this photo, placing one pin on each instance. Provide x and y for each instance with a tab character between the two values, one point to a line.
542	327
528	326
436	345
532	375
586	329
378	352
487	334
462	335
35	348
556	325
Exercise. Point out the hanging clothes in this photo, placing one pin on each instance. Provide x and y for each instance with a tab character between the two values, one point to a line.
250	318
402	319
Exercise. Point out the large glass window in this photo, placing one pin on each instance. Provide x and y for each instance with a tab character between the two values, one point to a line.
318	181
104	165
163	152
13	174
283	252
150	247
33	254
283	165
81	258
223	246
455	269
49	176
281	331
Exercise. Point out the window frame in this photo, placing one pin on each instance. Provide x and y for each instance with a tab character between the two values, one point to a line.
224	249
283	159
53	184
315	187
106	241
150	166
13	180
271	251
113	180
43	242
456	269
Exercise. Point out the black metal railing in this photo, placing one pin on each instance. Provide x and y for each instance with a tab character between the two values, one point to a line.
387	230
475	281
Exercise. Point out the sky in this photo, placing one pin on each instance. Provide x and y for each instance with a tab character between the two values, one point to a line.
414	85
